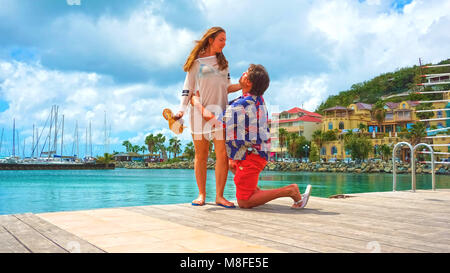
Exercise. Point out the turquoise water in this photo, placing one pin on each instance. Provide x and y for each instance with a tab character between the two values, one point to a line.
66	190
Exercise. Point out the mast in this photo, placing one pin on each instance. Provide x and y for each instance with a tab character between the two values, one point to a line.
32	145
14	138
76	137
86	144
56	128
90	138
37	144
50	132
18	144
62	137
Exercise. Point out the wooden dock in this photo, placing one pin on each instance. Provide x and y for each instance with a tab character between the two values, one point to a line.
369	222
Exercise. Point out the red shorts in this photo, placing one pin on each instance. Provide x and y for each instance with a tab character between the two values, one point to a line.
247	174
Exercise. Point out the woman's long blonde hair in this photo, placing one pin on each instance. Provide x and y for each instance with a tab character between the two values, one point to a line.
202	44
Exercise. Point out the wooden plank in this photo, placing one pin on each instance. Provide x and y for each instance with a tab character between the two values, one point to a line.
9	244
30	238
62	238
295	237
381	213
368	235
321	224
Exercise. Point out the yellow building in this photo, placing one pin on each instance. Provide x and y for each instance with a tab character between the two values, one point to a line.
295	120
399	116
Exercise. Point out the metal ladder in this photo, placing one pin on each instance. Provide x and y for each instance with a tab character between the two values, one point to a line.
413	165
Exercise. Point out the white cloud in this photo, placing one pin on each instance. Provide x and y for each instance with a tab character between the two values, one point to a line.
306	91
31	90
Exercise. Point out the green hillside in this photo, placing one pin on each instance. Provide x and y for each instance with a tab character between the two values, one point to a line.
390	83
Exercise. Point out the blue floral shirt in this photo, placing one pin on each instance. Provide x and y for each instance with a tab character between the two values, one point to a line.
246	126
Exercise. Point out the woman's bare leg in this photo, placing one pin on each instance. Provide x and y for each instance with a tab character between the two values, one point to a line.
221	171
201	146
261	197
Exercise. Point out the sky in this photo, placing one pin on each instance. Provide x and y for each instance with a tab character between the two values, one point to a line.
123	59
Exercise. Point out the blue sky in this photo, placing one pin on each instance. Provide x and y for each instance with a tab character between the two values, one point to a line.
126	57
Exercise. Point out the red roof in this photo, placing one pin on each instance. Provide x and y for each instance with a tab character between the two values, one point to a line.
304	118
299	110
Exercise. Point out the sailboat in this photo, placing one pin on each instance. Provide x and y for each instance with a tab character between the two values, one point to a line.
47	157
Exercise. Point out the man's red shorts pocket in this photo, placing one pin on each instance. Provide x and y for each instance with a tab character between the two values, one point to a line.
247	174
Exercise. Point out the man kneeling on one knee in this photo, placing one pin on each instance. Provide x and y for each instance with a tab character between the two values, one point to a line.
248	141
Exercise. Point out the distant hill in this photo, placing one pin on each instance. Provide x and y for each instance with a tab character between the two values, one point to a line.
400	81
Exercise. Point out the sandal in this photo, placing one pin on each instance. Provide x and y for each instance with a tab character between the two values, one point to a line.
175	126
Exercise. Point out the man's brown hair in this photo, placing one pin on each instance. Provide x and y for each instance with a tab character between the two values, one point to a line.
259	78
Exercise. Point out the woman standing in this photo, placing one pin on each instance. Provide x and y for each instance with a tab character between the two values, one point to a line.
207	73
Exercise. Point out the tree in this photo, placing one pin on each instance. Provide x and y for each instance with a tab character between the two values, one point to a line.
151	142
379	113
292	144
135	148
359	146
189	150
330	135
143	149
105	159
296	145
317	138
425	115
313	155
175	146
416	133
386	151
127	145
362	128
282	137
159	143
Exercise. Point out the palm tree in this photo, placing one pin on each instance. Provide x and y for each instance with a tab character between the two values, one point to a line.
362	128
416	133
175	146
143	149
282	137
150	141
189	150
386	151
379	113
292	144
105	159
127	145
159	143
317	138
135	148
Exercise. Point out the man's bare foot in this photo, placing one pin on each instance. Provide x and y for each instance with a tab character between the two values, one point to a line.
224	202
304	199
296	196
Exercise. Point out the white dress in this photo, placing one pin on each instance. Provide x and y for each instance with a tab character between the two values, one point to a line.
212	85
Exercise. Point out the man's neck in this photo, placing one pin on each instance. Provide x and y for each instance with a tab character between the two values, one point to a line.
245	91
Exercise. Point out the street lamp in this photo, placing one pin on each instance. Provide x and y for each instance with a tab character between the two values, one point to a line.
306	148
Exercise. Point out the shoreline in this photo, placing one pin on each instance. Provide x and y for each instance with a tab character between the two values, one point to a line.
371	167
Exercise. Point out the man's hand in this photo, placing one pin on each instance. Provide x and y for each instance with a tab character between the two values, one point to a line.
234	87
232	166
